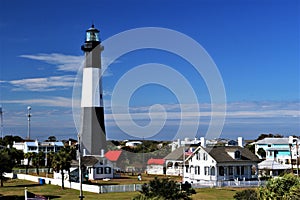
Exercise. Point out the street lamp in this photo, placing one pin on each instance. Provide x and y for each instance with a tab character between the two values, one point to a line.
29	116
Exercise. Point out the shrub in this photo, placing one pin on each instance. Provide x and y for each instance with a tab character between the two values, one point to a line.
164	189
248	194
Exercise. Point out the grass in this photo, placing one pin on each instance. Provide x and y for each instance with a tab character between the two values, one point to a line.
14	189
216	193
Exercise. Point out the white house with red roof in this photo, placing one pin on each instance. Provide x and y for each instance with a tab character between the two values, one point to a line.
156	166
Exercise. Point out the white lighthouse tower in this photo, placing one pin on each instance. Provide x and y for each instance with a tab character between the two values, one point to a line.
93	137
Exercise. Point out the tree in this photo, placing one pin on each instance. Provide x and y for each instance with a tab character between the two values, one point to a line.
284	188
9	157
8	140
29	156
51	139
251	148
270	135
261	152
164	189
62	162
49	157
37	160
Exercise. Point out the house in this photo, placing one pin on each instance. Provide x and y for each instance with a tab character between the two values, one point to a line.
202	141
97	167
116	158
94	168
278	149
174	160
36	147
133	143
220	163
156	166
271	168
187	141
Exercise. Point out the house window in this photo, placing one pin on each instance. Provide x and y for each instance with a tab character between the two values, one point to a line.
230	170
221	171
237	155
198	157
107	170
187	169
206	171
197	170
213	171
242	170
170	164
287	161
204	156
32	148
237	170
176	165
253	170
99	170
269	145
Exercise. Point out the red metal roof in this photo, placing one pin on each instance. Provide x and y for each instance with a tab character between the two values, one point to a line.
153	161
113	155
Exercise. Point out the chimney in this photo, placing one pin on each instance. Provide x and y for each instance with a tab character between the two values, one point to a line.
291	138
102	153
240	142
178	142
203	142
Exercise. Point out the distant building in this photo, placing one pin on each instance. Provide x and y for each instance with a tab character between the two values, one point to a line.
202	141
156	166
133	143
36	147
94	168
278	149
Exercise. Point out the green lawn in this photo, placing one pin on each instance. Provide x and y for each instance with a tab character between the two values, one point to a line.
216	193
14	189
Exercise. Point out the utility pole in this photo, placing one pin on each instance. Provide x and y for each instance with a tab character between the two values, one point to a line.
80	169
1	118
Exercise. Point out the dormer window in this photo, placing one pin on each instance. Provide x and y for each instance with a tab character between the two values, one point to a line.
237	154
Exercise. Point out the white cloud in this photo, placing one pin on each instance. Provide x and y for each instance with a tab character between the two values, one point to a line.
52	101
63	62
68	63
235	110
44	84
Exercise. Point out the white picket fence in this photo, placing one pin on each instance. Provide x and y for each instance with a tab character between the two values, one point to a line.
204	184
76	186
129	188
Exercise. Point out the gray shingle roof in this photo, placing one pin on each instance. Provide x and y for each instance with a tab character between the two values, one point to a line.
272	164
177	154
89	160
220	154
273	141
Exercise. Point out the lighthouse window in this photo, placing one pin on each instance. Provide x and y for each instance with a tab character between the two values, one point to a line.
92	36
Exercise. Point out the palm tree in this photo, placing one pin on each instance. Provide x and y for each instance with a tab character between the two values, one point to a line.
49	157
62	162
37	159
29	156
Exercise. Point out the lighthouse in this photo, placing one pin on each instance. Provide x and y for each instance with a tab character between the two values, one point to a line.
92	133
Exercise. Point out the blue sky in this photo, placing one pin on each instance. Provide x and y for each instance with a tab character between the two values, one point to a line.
254	44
